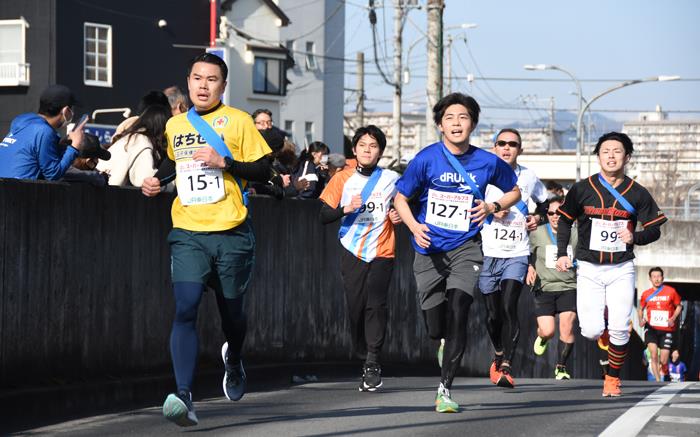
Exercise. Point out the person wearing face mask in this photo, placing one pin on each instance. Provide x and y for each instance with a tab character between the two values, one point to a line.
607	207
312	171
33	149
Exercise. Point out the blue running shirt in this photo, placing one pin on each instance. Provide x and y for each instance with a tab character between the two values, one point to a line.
444	196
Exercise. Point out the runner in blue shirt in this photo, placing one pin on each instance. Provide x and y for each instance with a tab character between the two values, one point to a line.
448	180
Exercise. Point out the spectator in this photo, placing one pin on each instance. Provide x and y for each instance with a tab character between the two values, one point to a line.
138	151
32	149
554	189
279	180
178	101
312	170
677	368
262	118
150	99
336	163
84	166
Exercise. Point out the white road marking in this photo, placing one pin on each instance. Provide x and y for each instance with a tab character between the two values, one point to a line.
679	419
691	395
636	418
694	406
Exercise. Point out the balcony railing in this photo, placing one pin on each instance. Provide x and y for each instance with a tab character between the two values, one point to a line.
14	74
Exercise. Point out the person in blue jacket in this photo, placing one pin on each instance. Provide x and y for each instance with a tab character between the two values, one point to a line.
33	149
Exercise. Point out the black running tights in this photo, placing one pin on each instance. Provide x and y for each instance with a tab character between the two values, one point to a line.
449	321
502	308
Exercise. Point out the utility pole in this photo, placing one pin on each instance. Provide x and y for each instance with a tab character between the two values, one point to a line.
361	88
551	124
448	85
434	82
396	114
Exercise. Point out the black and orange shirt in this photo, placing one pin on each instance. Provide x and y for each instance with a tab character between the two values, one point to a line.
596	210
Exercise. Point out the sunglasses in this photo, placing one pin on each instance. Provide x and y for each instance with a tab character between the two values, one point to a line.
501	143
550	213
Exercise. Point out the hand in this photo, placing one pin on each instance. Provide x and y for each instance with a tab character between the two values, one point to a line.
626	236
76	136
563	264
394	216
355	204
480	212
531	275
500	215
420	233
531	222
286	180
150	186
301	184
209	157
642	320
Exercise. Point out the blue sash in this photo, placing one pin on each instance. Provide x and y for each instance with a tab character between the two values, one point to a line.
213	139
651	296
625	204
366	192
460	169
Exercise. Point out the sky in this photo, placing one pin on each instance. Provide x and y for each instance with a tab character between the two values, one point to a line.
593	39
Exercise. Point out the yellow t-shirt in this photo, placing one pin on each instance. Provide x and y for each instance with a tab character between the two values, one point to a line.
246	145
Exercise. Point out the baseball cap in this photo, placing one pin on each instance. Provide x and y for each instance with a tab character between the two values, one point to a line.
91	148
57	96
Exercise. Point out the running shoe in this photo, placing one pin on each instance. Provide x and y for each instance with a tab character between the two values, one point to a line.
178	409
611	387
443	401
440	351
234	377
505	380
494	371
561	373
540	345
371	377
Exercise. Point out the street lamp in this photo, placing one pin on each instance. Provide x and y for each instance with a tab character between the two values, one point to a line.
579	144
532	67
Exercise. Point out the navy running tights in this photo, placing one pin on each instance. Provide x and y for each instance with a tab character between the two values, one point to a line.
184	344
502	308
449	321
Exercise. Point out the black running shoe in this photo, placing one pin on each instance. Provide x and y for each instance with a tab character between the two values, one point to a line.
234	383
371	377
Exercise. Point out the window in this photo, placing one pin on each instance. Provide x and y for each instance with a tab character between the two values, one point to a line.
310	57
289	128
14	70
308	132
289	45
268	76
97	59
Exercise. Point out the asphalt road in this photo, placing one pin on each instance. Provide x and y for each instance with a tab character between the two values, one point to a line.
405	407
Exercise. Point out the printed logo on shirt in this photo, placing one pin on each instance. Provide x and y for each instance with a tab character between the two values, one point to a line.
591	210
448	180
8	141
220	122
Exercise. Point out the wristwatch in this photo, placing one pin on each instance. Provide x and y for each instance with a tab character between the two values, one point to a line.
228	163
496	206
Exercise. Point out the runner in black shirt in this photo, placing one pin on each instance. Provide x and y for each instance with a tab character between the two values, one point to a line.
607	234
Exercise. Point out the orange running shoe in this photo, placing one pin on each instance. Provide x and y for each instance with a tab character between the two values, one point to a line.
494	372
505	380
611	387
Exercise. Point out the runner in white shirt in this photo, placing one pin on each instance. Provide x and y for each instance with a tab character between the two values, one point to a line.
506	256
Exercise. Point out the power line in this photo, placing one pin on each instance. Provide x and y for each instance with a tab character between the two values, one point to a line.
535	79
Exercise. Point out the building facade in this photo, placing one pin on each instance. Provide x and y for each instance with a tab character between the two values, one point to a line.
313	107
666	156
109	53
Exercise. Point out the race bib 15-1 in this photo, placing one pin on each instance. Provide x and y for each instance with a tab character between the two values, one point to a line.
605	235
198	184
449	210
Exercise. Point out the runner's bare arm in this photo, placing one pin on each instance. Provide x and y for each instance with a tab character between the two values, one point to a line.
419	230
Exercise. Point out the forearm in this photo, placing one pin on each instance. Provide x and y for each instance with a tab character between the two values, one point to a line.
257	171
401	206
329	215
166	172
647	235
510	198
563	236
